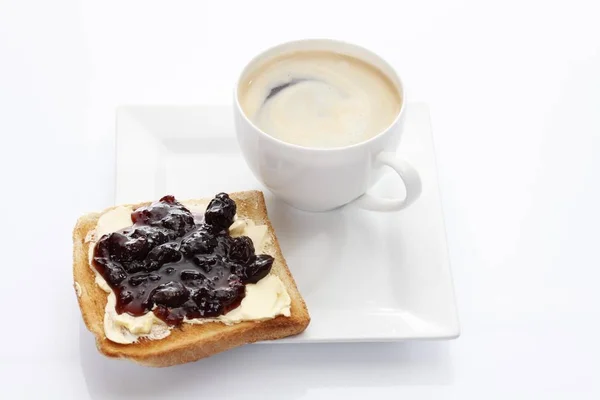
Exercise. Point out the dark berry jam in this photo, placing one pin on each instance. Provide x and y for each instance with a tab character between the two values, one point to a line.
178	267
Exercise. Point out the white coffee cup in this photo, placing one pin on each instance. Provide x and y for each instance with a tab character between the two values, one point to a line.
316	179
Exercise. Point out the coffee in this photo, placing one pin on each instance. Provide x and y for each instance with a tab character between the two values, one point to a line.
319	99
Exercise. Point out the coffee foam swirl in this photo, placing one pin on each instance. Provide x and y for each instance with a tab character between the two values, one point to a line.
319	99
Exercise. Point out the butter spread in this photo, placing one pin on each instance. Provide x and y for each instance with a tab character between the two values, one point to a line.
263	300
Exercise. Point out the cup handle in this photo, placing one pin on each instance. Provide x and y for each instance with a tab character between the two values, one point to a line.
408	174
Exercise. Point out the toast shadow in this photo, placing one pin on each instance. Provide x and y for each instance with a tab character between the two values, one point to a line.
249	372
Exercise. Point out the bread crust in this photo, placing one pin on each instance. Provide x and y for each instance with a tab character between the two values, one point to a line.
188	342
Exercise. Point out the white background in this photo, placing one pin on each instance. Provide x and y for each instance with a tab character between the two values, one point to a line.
514	90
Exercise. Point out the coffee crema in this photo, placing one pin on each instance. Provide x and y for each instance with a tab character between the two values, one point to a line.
319	99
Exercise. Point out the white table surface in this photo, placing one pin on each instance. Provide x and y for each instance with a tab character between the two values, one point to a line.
514	90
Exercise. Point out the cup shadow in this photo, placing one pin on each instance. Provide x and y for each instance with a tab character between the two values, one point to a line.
307	241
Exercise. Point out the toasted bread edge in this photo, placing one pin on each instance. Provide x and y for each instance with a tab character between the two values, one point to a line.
188	342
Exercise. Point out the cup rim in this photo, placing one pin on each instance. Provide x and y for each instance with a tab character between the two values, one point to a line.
260	54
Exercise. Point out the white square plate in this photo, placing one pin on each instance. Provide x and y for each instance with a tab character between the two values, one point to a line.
365	276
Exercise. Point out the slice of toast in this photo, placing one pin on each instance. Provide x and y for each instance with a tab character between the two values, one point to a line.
187	342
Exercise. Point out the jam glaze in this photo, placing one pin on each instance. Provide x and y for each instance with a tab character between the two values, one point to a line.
178	267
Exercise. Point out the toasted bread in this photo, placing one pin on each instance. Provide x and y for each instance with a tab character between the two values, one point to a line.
187	342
